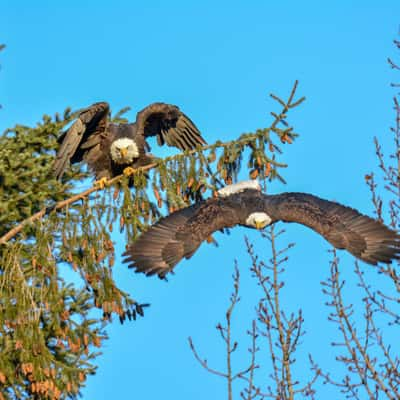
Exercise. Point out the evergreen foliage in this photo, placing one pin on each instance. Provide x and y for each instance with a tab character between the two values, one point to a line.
49	328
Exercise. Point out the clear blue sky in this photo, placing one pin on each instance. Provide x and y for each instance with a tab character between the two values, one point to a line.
217	60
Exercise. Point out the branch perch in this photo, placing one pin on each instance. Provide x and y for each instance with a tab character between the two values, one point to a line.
64	203
61	204
243	139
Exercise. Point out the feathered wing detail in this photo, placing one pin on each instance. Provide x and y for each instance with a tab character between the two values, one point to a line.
83	135
158	250
178	235
98	158
345	228
170	125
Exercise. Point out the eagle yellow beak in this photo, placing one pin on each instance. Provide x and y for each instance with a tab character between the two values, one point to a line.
259	225
124	152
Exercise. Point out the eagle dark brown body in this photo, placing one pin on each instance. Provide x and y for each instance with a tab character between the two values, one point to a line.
91	137
179	235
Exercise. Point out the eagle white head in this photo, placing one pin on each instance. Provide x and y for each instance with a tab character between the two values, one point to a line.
258	220
124	151
239	187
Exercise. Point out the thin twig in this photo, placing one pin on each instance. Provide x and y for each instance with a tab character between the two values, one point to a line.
204	363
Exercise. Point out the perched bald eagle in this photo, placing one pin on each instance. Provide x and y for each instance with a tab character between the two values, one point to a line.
109	149
179	235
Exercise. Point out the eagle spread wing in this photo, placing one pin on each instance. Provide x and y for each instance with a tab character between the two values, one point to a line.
83	135
91	137
179	235
344	227
170	125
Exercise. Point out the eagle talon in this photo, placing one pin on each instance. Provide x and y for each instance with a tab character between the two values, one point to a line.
128	171
101	183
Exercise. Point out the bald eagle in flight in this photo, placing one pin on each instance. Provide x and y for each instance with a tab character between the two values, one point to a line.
111	149
180	234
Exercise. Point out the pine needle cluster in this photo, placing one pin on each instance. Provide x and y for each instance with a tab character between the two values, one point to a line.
51	329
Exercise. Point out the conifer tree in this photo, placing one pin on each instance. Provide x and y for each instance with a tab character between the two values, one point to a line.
50	331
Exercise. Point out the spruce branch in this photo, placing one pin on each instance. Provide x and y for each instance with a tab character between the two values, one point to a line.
62	204
66	324
286	135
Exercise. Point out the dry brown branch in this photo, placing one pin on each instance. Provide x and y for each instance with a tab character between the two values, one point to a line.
282	332
368	353
377	297
367	358
204	362
392	64
226	334
61	204
251	391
